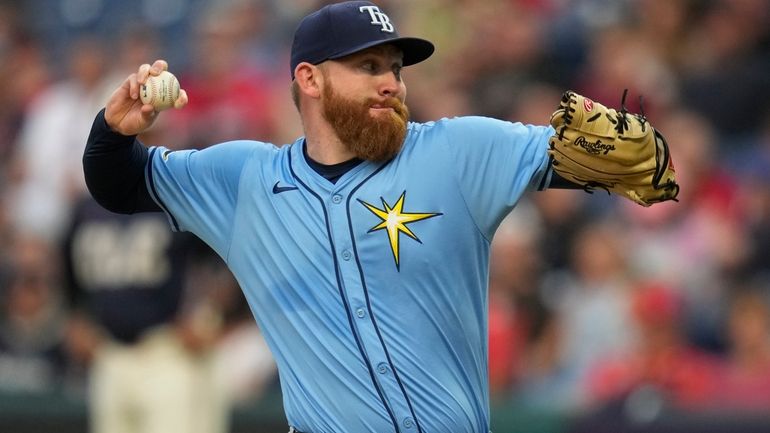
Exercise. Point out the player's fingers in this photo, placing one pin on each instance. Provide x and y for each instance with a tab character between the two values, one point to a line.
148	112
159	66
143	73
133	86
181	101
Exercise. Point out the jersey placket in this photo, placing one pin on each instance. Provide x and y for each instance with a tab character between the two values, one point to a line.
357	300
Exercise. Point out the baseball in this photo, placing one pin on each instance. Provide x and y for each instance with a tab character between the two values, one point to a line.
160	90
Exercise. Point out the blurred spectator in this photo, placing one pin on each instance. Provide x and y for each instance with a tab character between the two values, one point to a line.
244	366
523	333
503	55
664	26
744	384
703	231
592	306
753	169
542	374
620	58
258	33
725	76
230	98
563	215
514	277
596	300
444	23
662	359
146	342
22	63
32	318
52	140
535	104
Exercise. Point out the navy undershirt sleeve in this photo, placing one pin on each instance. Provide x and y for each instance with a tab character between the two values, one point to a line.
114	166
558	182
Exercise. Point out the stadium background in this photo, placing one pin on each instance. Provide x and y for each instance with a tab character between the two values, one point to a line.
605	316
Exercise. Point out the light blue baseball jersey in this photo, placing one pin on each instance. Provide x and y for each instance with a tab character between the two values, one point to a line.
371	292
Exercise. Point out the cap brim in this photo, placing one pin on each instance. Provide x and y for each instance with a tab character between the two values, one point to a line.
415	49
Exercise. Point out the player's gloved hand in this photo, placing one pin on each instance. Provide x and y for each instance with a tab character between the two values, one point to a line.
125	113
599	147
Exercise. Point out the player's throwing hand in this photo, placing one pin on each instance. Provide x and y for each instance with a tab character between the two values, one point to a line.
125	113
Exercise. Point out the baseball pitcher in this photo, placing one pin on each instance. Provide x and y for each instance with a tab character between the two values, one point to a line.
363	246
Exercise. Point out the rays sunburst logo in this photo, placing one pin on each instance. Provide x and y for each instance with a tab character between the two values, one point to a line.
394	221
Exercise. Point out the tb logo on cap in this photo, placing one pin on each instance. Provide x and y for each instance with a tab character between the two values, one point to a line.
378	18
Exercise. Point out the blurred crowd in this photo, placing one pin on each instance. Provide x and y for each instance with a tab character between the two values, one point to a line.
593	300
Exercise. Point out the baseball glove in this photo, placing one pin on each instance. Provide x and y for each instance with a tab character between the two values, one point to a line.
599	147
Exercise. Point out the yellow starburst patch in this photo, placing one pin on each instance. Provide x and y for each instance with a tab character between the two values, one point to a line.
394	221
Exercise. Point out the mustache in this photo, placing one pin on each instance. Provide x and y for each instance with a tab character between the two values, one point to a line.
391	102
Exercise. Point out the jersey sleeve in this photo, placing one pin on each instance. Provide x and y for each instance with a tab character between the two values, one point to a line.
198	189
495	162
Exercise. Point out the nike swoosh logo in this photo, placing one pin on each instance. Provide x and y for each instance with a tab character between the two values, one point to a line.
279	189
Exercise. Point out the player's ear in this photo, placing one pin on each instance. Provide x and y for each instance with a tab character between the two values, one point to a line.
309	79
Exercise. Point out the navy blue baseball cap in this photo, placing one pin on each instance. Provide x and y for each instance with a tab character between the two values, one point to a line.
341	29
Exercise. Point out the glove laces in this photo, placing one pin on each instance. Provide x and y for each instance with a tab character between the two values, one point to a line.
622	124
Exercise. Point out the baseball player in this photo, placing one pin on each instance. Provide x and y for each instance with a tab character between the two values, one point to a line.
134	322
362	248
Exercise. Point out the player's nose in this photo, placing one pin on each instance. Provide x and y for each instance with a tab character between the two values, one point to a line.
391	85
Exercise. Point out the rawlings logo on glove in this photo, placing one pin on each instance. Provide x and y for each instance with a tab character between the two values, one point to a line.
594	148
599	147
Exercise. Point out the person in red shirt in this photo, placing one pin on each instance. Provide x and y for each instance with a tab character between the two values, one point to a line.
662	359
744	384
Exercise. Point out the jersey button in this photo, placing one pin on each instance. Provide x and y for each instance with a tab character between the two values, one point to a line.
337	199
382	368
360	313
346	255
408	423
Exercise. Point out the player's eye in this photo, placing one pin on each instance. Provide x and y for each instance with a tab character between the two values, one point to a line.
397	72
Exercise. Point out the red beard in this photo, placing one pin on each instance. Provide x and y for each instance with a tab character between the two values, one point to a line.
372	138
